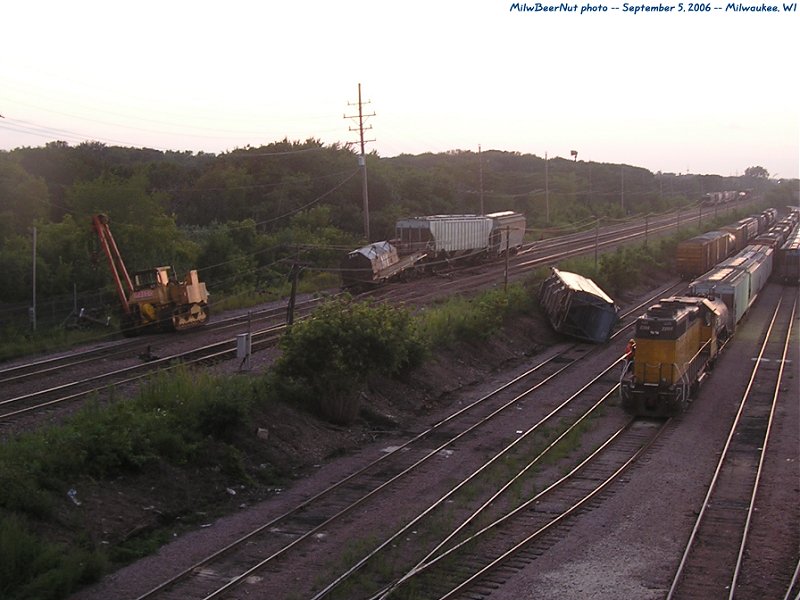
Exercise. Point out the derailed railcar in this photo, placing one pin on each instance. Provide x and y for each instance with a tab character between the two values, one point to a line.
373	264
677	341
576	306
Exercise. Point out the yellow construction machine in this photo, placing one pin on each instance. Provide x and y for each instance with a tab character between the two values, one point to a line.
153	298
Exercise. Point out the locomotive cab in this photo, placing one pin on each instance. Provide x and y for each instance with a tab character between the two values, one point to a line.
677	341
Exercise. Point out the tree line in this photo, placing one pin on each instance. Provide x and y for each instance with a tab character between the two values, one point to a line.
243	217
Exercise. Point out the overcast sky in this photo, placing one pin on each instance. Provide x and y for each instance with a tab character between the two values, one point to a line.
707	92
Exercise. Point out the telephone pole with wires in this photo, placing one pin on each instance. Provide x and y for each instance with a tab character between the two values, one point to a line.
362	159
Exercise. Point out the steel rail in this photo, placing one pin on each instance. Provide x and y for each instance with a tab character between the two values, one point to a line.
534	428
762	456
164	585
577	506
339	484
434	555
720	463
74	358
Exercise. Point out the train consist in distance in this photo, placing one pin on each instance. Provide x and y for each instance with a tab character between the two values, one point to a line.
679	338
423	243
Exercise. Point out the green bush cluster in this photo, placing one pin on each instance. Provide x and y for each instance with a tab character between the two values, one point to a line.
327	358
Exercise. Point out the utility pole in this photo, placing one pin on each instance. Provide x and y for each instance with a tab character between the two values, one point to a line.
622	189
480	172
362	159
546	192
33	280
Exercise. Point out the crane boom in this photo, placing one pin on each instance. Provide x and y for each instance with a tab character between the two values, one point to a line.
115	261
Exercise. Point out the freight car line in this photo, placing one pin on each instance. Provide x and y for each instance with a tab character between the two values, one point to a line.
710	562
312	522
553	249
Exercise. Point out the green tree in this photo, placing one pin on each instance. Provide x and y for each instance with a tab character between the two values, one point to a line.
759	172
146	236
23	198
329	356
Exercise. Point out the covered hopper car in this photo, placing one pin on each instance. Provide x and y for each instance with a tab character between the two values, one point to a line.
458	236
422	243
576	306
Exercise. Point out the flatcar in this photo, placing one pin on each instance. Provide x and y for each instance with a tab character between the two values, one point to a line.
577	307
677	342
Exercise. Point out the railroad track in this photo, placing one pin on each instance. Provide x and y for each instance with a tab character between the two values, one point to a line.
455	278
721	546
133	347
57	386
325	515
486	557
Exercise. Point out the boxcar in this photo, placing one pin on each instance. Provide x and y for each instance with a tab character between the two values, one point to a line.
576	306
699	254
787	260
739	231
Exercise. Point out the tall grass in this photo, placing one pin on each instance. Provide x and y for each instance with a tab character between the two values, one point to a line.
473	319
182	418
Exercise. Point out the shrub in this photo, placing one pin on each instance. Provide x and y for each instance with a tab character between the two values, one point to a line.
328	357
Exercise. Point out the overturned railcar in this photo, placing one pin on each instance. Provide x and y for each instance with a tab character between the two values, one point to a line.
577	307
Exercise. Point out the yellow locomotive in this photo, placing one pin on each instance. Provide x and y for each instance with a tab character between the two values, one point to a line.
677	341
